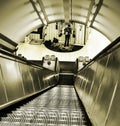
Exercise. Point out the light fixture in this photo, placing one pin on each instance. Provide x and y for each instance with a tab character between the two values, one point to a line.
91	17
97	1
37	6
80	58
47	57
87	59
89	23
53	57
94	9
45	22
43	18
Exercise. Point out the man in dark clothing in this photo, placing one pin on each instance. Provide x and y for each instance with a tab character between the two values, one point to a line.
67	32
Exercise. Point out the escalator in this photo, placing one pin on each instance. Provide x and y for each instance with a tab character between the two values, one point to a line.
58	106
35	100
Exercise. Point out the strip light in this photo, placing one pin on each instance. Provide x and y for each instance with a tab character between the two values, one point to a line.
39	11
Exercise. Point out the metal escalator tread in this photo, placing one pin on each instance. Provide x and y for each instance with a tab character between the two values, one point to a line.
59	106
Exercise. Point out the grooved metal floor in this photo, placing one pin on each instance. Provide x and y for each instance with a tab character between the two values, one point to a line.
57	107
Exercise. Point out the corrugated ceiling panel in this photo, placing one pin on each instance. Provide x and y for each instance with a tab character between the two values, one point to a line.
55	17
79	19
80	11
52	3
55	10
81	3
108	19
18	19
106	31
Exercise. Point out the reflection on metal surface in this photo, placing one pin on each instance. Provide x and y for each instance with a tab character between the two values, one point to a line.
100	94
48	77
19	80
3	94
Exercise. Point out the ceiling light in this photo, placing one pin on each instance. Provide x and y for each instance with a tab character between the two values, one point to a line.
37	7
89	23
94	9
45	22
42	15
91	17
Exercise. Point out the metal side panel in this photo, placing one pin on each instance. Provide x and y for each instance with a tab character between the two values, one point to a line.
89	84
98	79
40	75
35	78
12	79
84	80
48	77
91	70
103	95
3	97
105	90
113	114
86	76
26	77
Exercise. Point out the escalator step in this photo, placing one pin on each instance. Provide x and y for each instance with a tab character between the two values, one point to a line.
56	107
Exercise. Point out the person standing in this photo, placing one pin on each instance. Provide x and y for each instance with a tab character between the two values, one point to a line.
67	32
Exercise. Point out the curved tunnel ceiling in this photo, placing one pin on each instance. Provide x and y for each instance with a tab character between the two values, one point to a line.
19	17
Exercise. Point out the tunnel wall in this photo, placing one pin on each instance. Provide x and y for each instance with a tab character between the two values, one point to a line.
20	79
98	86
